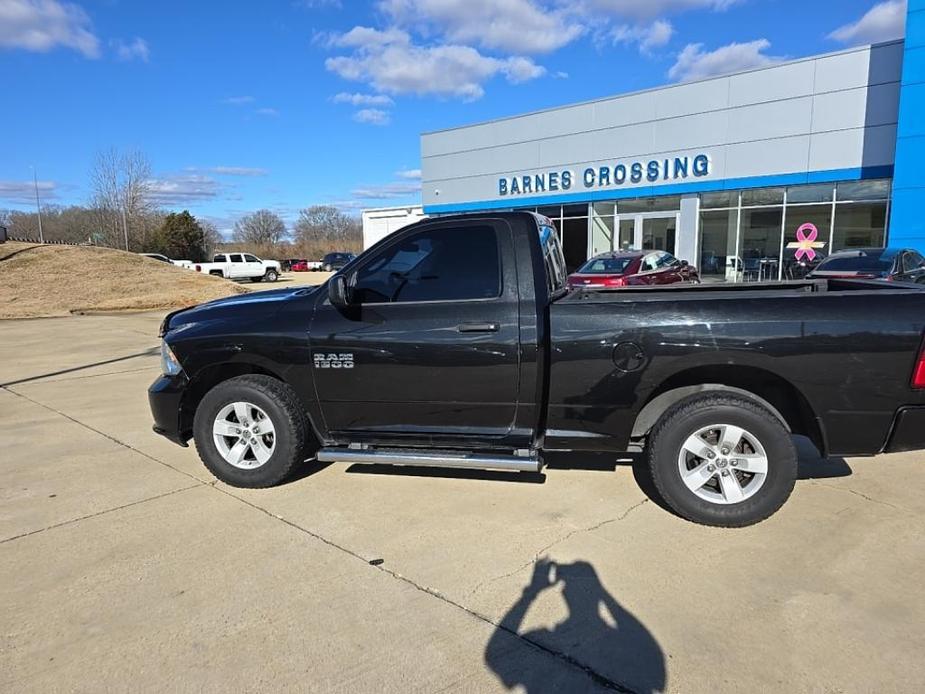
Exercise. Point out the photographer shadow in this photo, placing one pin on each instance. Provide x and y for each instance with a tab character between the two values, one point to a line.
599	636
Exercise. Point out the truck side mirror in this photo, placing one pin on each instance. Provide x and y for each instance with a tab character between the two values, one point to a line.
337	292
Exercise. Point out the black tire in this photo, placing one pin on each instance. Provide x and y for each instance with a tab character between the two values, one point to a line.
684	419
326	268
272	275
294	441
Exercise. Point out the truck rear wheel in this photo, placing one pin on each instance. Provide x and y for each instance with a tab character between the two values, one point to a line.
722	460
251	431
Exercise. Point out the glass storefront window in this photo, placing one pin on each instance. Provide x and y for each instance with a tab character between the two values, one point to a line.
602	226
627	234
816	193
762	196
665	203
718	244
553	211
575	210
759	249
863	190
605	209
859	225
806	240
723	199
575	242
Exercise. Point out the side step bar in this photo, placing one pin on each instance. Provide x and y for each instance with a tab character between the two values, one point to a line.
431	458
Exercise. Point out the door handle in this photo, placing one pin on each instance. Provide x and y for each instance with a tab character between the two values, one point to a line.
478	328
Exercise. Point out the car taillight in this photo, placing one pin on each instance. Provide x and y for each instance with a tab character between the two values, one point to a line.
615	282
918	375
199	268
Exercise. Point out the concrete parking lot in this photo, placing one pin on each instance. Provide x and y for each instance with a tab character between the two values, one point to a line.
125	565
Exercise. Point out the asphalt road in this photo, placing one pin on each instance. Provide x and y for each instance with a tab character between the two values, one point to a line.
125	565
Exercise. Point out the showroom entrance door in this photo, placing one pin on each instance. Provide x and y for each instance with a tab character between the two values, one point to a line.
652	231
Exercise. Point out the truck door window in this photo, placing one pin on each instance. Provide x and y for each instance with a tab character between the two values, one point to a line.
250	259
439	264
236	258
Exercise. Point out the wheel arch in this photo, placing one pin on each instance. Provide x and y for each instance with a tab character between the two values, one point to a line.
210	376
780	397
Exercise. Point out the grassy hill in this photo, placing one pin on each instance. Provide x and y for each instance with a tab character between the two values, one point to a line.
38	280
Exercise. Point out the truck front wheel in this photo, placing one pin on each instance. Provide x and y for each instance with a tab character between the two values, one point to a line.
251	431
722	460
272	275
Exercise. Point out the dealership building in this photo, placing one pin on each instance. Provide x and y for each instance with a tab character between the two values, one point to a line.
735	173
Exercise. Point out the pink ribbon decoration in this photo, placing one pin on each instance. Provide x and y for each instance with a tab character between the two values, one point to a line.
806	243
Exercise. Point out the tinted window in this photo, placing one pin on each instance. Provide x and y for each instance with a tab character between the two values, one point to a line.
603	266
220	258
441	264
912	261
236	258
250	259
862	263
553	258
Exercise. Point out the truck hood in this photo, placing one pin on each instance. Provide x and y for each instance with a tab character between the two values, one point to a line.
238	306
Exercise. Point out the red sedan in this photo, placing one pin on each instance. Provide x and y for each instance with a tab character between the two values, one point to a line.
632	268
299	266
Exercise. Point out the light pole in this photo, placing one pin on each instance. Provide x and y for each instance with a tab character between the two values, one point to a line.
38	206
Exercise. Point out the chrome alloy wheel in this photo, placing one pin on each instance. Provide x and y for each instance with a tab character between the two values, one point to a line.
723	464
244	435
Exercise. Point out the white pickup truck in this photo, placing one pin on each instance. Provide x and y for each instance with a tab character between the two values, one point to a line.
240	266
164	259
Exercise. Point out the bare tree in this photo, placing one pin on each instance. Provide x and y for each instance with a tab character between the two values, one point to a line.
323	228
263	227
121	184
211	237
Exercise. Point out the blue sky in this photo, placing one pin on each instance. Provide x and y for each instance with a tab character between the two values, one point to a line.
288	103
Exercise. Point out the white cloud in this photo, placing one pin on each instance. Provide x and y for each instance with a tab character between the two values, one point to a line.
409	174
267	112
654	35
362	99
373	116
517	26
694	63
647	9
41	25
390	62
882	22
23	192
239	100
137	48
184	188
386	191
238	171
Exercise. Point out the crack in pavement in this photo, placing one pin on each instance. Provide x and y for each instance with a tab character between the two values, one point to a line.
559	656
863	496
541	552
98	513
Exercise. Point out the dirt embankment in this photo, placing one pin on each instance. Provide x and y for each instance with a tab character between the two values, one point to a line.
38	280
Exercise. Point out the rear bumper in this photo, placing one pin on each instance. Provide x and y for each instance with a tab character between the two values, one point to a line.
908	432
165	397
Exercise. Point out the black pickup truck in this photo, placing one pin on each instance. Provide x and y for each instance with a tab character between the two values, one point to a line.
455	342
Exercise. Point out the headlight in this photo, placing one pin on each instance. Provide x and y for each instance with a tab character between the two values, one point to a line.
169	364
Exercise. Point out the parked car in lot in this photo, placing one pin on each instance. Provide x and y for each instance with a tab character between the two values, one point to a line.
456	343
897	264
305	266
164	259
335	261
238	266
632	268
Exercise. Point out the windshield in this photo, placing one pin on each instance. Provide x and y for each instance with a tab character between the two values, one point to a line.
870	262
605	266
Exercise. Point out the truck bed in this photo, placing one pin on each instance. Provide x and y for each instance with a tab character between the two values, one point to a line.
681	292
